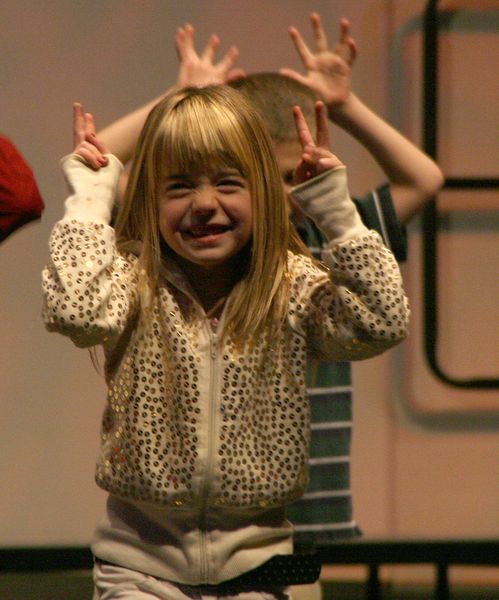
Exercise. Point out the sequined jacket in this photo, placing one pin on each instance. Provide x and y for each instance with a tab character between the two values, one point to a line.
191	423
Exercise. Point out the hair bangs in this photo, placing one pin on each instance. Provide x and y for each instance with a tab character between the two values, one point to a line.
196	136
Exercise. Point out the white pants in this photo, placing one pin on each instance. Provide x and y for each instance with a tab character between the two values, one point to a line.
118	583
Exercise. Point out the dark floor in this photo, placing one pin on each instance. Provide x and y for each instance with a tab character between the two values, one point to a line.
356	591
46	586
78	586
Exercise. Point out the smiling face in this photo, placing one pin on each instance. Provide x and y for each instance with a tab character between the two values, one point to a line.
206	218
204	182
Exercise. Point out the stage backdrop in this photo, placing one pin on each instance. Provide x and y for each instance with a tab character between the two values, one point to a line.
409	478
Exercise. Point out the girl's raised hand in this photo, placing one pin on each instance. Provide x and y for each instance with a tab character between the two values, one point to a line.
316	156
85	142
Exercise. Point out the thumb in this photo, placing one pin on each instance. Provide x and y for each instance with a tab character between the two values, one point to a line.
235	75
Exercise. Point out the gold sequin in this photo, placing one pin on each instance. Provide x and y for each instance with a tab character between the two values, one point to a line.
167	376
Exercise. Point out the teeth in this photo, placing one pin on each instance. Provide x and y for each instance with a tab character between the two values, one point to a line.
203	231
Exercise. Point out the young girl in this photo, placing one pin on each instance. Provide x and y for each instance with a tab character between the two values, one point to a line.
207	305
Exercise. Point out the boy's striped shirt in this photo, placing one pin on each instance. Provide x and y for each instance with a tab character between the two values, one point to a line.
325	512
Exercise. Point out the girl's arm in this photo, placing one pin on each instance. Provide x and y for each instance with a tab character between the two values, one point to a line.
414	177
339	220
88	287
360	309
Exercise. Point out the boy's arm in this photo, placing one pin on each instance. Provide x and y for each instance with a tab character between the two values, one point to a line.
413	176
194	69
121	136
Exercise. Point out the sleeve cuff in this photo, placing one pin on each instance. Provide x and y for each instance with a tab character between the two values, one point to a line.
326	200
92	192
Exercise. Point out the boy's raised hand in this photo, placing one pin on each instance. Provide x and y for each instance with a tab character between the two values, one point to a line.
328	70
200	69
316	156
85	142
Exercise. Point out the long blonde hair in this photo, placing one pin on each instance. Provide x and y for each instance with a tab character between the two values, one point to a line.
202	128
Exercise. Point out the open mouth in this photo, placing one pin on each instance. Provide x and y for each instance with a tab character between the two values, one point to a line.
200	231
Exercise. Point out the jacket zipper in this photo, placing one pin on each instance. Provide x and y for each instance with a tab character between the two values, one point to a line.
204	562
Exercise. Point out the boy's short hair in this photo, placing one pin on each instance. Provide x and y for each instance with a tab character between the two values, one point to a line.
274	95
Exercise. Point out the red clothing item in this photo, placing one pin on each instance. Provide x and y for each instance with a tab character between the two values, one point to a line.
20	200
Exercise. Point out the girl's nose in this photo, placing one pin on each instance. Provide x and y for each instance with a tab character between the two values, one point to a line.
205	199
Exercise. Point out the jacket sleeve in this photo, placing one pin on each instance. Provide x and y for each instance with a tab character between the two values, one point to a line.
358	308
88	287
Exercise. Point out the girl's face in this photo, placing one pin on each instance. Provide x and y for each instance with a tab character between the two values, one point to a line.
206	218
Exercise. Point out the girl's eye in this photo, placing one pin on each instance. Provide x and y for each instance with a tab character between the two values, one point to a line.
230	183
177	188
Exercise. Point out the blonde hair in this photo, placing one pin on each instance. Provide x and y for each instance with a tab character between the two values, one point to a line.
202	128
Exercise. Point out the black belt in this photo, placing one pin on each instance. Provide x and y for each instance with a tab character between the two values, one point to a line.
279	571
